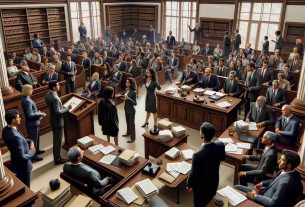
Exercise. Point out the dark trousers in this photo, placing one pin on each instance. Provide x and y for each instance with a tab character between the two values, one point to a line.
168	74
201	200
70	86
57	137
248	178
247	106
25	177
33	134
130	119
235	48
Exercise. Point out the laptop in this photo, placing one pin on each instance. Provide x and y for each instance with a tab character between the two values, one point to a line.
247	138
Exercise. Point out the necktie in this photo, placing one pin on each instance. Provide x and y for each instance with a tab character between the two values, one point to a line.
263	73
257	114
51	74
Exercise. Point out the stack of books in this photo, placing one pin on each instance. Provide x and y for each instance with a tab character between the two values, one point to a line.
126	195
178	131
164	124
128	157
95	149
58	197
165	135
173	153
85	142
147	189
79	201
187	154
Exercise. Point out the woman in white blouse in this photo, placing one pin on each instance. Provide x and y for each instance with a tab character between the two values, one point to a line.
196	48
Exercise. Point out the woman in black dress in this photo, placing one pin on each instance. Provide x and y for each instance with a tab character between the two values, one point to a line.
108	115
150	101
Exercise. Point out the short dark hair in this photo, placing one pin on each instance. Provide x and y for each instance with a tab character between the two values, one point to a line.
10	115
153	74
252	65
208	130
221	60
52	84
266	37
35	36
265	61
237	30
108	92
292	158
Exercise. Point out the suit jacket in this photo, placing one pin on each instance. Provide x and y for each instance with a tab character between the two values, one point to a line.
205	171
290	78
23	79
281	191
134	71
289	129
234	89
197	32
66	68
274	61
171	41
21	154
131	102
294	66
56	109
213	83
175	62
248	51
221	71
255	84
266	47
226	42
268	75
46	54
279	43
279	98
95	89
86	63
48	78
122	67
118	78
266	115
237	40
185	77
32	115
207	51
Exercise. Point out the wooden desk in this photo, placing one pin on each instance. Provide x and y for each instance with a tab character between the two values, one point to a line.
246	203
119	172
154	147
191	114
235	159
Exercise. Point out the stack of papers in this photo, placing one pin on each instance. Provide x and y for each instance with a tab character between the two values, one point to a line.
108	159
184	167
178	131
243	145
165	135
170	90
147	189
209	92
164	124
241	126
167	177
252	126
95	149
223	104
79	201
187	154
178	167
185	87
234	196
234	149
126	195
85	142
225	140
128	157
107	150
198	90
173	153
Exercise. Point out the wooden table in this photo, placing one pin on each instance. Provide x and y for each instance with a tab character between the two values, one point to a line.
189	113
235	159
154	147
246	203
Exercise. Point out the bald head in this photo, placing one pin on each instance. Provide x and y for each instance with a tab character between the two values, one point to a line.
261	100
208	71
75	154
286	110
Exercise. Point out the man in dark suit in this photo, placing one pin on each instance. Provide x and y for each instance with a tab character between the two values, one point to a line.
248	49
260	113
205	167
295	64
286	127
56	110
84	173
22	150
15	58
93	87
152	35
142	61
221	69
207	51
173	64
50	76
197	32
209	80
266	73
275	95
69	70
171	41
86	63
45	52
122	65
279	42
284	189
265	48
231	86
226	45
274	60
189	77
236	41
288	75
267	161
25	77
252	86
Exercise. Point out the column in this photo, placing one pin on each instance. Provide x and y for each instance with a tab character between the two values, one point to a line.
4	83
2	121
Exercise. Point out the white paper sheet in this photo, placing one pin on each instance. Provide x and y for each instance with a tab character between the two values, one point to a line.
184	167
107	150
223	104
226	140
252	126
234	196
127	195
209	92
95	149
231	148
173	166
198	90
187	154
108	159
243	145
239	151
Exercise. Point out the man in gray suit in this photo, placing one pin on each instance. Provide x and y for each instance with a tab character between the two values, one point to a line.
275	95
84	173
279	42
231	86
69	70
274	60
286	127
284	189
56	110
267	161
236	41
260	113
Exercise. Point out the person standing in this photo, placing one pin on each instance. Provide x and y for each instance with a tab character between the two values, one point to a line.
38	43
56	110
108	115
205	167
197	32
83	33
108	34
150	101
69	70
236	41
226	45
265	48
279	42
32	118
130	98
21	149
171	41
152	35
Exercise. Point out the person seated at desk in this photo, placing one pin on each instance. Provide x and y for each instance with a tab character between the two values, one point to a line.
50	76
196	48
121	64
274	60
209	80
284	84
97	59
275	95
106	58
25	77
288	75
35	57
266	73
45	52
27	55
12	70
267	161
259	113
286	127
200	66
189	77
133	69
221	69
84	173
93	87
57	63
45	65
172	64
284	189
116	76
207	50
106	73
231	86
295	64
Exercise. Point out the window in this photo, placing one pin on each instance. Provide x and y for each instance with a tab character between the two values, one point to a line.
89	14
256	20
179	14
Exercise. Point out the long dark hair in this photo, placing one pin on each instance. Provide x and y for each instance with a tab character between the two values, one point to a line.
153	74
132	83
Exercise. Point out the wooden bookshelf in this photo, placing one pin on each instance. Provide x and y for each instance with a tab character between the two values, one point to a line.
293	31
20	25
129	17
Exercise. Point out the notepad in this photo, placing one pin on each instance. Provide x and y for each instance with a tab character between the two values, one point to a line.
224	104
198	90
187	154
225	140
243	145
108	159
126	195
239	151
231	148
174	173
107	150
147	187
167	177
173	153
173	166
209	92
127	154
95	149
184	167
233	195
252	126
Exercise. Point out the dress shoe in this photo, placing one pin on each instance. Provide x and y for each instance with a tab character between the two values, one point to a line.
145	124
126	135
37	159
61	161
39	152
130	141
